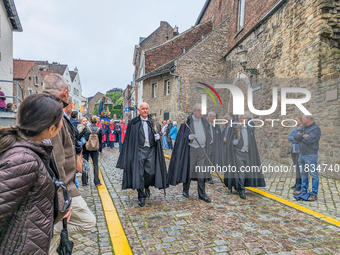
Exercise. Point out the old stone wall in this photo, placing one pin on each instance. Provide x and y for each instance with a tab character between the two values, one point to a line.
254	11
299	42
161	103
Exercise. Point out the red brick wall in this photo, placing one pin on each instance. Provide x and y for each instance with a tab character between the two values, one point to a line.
174	48
255	10
158	36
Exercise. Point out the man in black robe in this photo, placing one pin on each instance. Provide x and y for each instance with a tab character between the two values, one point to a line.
243	160
190	152
217	144
142	156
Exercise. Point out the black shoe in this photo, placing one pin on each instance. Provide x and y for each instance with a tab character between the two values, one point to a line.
242	194
297	192
147	192
185	194
293	187
205	199
99	184
210	181
141	203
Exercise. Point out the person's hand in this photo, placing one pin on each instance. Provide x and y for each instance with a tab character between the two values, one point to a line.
305	135
225	139
299	133
235	142
68	214
192	136
157	137
83	127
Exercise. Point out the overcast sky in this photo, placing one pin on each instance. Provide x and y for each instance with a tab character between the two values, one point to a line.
96	36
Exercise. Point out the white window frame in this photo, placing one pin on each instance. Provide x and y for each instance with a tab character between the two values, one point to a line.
36	80
241	8
154	90
166	87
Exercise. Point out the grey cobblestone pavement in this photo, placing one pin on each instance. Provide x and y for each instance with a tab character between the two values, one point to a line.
96	242
328	202
229	225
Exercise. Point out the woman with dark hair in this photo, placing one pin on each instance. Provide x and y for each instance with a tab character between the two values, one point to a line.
26	169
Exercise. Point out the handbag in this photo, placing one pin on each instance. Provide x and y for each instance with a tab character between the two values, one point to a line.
80	163
290	150
168	139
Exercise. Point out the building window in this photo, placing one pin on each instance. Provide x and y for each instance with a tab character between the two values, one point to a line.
36	80
154	90
241	14
166	116
166	88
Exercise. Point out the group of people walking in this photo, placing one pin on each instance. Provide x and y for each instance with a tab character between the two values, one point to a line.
38	160
198	145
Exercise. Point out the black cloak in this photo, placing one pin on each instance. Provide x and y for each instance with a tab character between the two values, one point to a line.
180	157
252	178
128	159
217	146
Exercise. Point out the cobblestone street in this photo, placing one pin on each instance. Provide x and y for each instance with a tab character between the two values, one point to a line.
98	240
229	225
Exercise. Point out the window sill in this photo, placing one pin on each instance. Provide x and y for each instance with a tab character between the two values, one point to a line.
238	32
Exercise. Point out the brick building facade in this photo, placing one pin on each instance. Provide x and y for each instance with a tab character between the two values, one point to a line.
30	75
289	43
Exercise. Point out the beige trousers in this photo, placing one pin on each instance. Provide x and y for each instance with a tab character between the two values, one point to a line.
82	220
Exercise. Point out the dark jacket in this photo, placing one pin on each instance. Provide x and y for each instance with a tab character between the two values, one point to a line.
87	131
26	199
129	157
179	166
309	145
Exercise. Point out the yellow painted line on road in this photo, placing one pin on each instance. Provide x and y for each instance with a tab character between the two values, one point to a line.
296	206
118	238
291	204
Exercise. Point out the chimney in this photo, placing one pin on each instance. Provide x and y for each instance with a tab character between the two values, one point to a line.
175	31
76	70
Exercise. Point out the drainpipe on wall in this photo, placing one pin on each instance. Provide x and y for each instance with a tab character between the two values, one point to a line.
179	86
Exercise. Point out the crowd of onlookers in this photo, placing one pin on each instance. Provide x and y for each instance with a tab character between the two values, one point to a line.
168	132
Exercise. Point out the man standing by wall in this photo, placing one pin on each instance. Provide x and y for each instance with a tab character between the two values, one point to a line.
309	138
82	219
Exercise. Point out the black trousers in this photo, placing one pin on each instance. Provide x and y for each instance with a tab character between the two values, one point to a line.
94	156
197	158
295	157
146	157
243	160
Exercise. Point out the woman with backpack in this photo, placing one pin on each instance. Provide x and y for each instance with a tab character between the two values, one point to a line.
93	138
27	170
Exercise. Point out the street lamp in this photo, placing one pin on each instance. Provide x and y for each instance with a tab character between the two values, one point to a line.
242	56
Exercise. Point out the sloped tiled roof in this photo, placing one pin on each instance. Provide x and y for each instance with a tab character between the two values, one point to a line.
72	75
166	68
21	68
44	73
57	68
